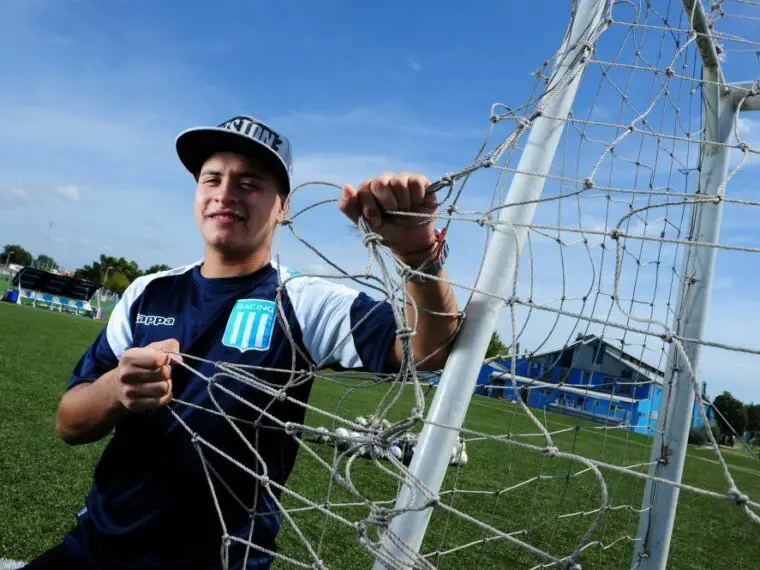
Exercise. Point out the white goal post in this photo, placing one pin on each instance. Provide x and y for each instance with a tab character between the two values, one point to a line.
451	401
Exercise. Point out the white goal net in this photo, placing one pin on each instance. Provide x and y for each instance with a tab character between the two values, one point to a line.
615	299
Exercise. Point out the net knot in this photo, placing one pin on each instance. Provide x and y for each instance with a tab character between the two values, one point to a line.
588	183
381	517
737	496
668	337
282	395
551	451
406	273
669	72
403	333
615	234
372	238
571	565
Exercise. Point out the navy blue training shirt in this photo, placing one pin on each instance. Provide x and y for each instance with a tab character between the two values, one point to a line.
150	505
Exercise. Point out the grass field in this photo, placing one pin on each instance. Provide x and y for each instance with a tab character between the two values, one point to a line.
43	482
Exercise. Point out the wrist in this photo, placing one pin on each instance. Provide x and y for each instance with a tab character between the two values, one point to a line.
113	386
428	261
416	257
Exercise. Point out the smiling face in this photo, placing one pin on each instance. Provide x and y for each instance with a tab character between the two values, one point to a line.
238	204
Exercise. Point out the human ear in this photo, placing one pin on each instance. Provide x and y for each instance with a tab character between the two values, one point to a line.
284	210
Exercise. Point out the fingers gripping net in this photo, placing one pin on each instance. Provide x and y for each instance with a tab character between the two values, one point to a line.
552	461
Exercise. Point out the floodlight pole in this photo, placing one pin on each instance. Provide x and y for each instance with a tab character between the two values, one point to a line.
402	541
720	106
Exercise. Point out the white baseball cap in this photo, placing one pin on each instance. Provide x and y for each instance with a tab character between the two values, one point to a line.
243	135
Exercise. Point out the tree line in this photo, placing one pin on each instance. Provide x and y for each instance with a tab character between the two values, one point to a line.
113	273
736	418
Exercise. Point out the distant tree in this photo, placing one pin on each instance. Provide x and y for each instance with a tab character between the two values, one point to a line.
17	255
753	417
156	269
496	346
117	282
45	262
98	270
734	413
94	272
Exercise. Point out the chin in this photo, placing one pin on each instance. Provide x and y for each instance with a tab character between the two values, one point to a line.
236	248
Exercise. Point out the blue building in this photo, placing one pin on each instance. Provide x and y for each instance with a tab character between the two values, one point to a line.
590	378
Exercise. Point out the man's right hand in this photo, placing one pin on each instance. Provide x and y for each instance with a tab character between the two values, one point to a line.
143	377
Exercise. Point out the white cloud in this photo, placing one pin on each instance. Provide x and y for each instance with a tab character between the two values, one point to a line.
13	197
413	63
71	131
747	131
749	128
349	168
390	119
70	193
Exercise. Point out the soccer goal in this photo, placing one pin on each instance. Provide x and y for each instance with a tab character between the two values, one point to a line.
606	226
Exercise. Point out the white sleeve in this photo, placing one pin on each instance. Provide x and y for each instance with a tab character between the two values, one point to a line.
119	329
341	326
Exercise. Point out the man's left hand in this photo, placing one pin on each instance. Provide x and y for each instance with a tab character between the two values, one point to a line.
408	237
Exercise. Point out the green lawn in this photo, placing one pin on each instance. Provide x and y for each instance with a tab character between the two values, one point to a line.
43	482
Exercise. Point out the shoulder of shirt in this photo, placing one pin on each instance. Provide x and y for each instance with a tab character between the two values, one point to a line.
298	283
138	286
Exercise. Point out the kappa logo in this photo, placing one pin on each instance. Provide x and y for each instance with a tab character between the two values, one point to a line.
250	325
154	320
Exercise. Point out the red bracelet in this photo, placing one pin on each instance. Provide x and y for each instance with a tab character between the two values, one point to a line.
437	241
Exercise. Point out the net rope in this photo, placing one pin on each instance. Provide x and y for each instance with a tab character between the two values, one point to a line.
558	484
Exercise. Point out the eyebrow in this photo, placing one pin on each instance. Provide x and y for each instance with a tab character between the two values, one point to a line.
242	174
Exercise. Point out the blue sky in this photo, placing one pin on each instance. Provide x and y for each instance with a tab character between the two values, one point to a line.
96	92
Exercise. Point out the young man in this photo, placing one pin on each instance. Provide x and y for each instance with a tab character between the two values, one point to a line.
151	504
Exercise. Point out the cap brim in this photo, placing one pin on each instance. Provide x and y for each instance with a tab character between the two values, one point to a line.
195	146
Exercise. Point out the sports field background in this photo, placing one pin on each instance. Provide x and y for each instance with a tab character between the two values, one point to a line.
43	482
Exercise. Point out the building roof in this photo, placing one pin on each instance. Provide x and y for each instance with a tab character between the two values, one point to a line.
46	282
647	370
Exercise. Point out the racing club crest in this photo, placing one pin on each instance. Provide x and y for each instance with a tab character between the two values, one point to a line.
250	325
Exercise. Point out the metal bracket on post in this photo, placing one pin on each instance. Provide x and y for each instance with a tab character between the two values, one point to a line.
403	539
720	107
